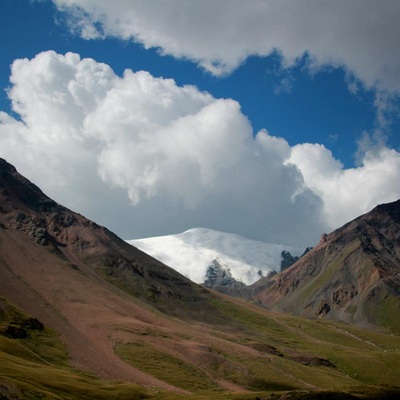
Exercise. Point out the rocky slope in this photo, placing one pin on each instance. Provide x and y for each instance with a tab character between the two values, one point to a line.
352	275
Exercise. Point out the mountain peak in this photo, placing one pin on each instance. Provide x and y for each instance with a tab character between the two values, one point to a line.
5	166
19	192
192	253
392	209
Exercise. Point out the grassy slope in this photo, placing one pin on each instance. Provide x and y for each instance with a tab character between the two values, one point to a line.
264	354
285	344
353	351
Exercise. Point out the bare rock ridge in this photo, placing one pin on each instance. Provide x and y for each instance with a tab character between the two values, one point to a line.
352	275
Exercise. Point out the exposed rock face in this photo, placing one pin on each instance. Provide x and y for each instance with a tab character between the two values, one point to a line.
287	260
220	278
323	309
352	275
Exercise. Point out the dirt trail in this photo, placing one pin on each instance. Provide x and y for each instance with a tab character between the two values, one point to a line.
368	342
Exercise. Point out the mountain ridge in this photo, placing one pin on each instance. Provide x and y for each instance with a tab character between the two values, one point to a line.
348	276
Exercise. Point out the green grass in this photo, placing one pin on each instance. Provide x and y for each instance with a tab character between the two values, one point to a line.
165	367
36	381
387	313
360	356
247	320
308	291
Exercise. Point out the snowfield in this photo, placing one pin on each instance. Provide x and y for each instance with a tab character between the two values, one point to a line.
193	251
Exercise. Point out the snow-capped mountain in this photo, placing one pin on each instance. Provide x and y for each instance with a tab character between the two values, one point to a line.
192	253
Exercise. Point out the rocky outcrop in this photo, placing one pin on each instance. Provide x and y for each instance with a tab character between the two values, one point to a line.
287	260
220	278
323	309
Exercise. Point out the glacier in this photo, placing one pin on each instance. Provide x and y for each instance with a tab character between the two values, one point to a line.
192	252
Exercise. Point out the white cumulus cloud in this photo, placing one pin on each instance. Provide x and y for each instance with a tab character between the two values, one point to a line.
146	157
360	35
347	193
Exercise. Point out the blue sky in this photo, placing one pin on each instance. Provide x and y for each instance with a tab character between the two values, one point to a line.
321	102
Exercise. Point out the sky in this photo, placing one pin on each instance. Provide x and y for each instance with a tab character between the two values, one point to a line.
275	120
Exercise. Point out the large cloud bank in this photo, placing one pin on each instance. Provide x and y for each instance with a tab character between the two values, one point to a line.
146	157
360	35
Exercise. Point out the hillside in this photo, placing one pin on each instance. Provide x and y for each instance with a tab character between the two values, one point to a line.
84	315
69	273
193	252
353	275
